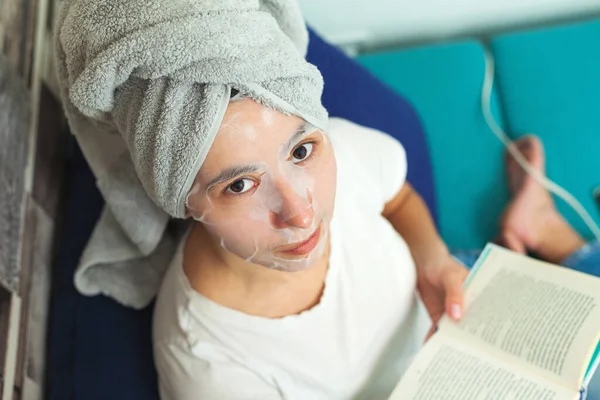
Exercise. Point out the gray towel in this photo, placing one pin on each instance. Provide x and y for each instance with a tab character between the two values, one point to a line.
145	84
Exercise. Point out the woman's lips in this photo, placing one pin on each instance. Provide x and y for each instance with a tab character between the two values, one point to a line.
302	248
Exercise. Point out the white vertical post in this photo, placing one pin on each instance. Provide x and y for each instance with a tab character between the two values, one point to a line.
12	345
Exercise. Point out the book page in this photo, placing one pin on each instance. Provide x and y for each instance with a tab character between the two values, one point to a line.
545	315
449	370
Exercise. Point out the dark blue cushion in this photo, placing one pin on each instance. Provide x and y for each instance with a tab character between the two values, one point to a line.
99	349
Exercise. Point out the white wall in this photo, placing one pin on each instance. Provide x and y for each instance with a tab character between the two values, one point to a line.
382	22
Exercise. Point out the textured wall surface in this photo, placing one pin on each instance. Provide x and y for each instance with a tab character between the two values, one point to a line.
373	23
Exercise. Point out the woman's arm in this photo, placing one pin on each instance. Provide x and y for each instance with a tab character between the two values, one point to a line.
439	276
409	215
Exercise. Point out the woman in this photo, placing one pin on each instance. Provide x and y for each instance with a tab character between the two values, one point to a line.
294	281
297	279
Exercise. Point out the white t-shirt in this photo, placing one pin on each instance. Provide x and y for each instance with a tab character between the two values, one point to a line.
356	343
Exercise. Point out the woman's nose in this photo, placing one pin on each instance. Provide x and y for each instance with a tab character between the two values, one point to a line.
296	211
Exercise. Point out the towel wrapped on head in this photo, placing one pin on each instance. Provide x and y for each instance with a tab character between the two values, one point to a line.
145	85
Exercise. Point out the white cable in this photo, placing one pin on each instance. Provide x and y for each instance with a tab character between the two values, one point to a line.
486	95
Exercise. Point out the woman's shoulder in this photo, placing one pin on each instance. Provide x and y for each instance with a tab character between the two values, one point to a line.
370	161
364	147
353	135
173	311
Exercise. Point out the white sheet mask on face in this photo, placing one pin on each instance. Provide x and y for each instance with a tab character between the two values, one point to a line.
274	202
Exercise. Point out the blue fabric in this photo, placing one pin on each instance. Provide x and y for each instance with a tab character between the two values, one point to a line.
586	260
444	84
99	350
550	81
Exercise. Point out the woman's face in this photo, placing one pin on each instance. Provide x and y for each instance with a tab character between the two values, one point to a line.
267	187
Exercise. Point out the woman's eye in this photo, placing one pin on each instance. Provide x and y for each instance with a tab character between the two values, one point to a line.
240	186
302	152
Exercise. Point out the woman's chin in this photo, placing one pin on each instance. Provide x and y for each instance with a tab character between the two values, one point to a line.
302	266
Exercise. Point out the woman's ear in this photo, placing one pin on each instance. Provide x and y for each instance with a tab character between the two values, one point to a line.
191	200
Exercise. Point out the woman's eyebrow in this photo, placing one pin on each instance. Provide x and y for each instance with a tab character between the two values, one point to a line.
301	131
237	170
233	172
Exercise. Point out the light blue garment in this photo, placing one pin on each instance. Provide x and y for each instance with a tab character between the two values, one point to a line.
586	260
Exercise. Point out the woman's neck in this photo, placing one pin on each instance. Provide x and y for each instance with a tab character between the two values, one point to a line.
253	289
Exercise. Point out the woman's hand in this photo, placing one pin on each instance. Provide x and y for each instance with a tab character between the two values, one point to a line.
440	285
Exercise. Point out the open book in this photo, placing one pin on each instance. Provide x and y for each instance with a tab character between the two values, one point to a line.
530	330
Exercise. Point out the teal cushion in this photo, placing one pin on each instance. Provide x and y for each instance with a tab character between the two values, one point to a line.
550	85
443	82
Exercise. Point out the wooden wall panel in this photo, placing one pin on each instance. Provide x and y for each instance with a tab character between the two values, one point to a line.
14	134
31	166
17	18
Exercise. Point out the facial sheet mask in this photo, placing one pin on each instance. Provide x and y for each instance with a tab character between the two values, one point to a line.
273	205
